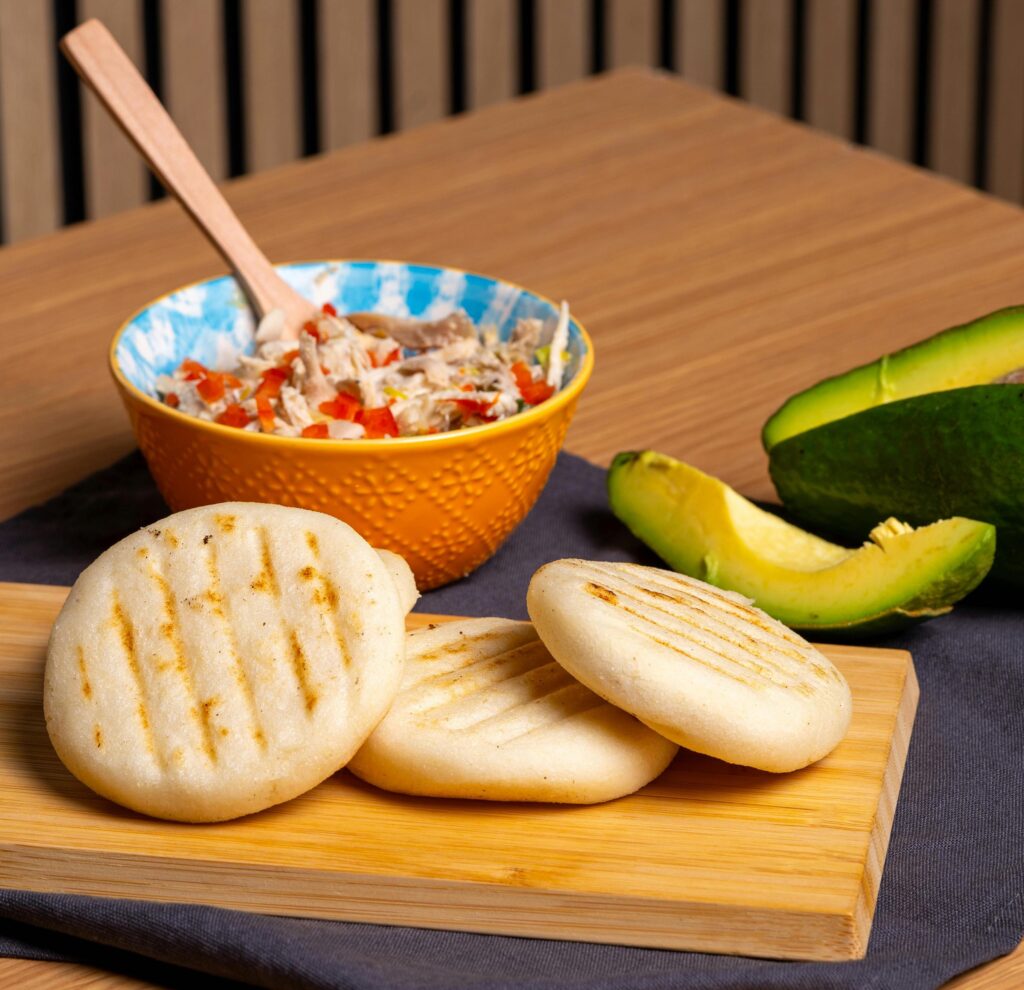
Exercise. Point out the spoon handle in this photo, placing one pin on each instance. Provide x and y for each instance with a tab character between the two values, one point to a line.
111	75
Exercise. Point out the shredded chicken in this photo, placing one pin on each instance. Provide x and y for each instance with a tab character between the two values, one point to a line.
372	375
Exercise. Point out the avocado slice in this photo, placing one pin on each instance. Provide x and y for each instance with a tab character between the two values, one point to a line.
959	452
975	353
701	527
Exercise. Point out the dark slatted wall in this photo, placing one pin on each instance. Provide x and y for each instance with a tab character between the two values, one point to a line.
254	83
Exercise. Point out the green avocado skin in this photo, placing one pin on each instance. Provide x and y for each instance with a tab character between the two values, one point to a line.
953	453
995	341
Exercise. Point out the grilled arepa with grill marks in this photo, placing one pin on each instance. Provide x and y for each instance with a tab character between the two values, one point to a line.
485	712
699	665
223	660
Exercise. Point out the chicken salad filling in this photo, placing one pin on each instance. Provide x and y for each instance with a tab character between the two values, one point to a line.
369	376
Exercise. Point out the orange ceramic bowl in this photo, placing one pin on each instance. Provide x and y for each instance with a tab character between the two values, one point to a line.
444	502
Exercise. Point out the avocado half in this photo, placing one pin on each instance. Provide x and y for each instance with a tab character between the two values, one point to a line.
976	353
959	452
701	527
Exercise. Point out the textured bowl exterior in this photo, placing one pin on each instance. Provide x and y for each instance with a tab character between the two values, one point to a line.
444	502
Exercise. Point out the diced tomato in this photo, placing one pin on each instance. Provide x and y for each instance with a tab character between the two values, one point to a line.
475	407
211	389
379	422
311	328
230	380
342	406
172	400
533	393
390	358
193	370
265	412
271	381
316	431
329	309
290	356
234	415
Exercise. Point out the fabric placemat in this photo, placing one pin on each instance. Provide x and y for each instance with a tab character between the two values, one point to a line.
952	894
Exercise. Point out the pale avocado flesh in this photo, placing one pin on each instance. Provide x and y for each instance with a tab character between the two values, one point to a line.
975	353
703	528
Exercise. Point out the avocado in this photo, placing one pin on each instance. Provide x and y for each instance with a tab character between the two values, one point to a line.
701	527
959	452
976	353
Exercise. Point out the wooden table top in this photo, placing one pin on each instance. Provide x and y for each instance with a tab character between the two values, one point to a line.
721	257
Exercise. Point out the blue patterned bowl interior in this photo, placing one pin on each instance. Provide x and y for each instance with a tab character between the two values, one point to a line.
211	322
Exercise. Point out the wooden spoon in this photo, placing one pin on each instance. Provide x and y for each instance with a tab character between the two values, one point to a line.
111	75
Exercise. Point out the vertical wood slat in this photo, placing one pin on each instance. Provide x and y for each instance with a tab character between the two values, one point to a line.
891	77
952	100
493	40
1005	158
115	178
348	71
632	32
30	195
421	60
700	41
192	52
766	54
270	65
831	66
563	41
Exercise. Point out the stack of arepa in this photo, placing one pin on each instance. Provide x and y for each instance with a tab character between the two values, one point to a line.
231	657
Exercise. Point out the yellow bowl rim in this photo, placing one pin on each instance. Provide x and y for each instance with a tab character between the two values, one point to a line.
536	413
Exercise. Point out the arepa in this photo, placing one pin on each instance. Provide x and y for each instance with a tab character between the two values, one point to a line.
223	660
485	712
401	573
699	665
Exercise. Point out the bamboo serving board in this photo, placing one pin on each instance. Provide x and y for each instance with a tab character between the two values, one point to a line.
709	857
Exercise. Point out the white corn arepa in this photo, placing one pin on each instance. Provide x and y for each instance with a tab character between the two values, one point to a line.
700	665
401	573
485	712
223	660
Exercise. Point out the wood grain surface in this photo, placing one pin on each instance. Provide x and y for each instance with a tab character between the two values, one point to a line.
721	258
721	858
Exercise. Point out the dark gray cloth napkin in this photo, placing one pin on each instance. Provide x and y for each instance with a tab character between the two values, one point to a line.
952	894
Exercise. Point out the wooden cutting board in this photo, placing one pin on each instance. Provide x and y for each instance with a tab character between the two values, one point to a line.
709	857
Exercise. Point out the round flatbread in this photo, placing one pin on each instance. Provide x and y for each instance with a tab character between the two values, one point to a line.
485	712
700	665
401	573
223	660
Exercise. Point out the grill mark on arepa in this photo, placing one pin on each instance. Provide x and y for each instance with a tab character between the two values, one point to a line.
266	580
84	675
326	597
695	603
794	648
592	704
126	632
219	608
544	677
301	667
510	662
97	735
754	660
559	701
170	630
747	613
689	656
456	645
